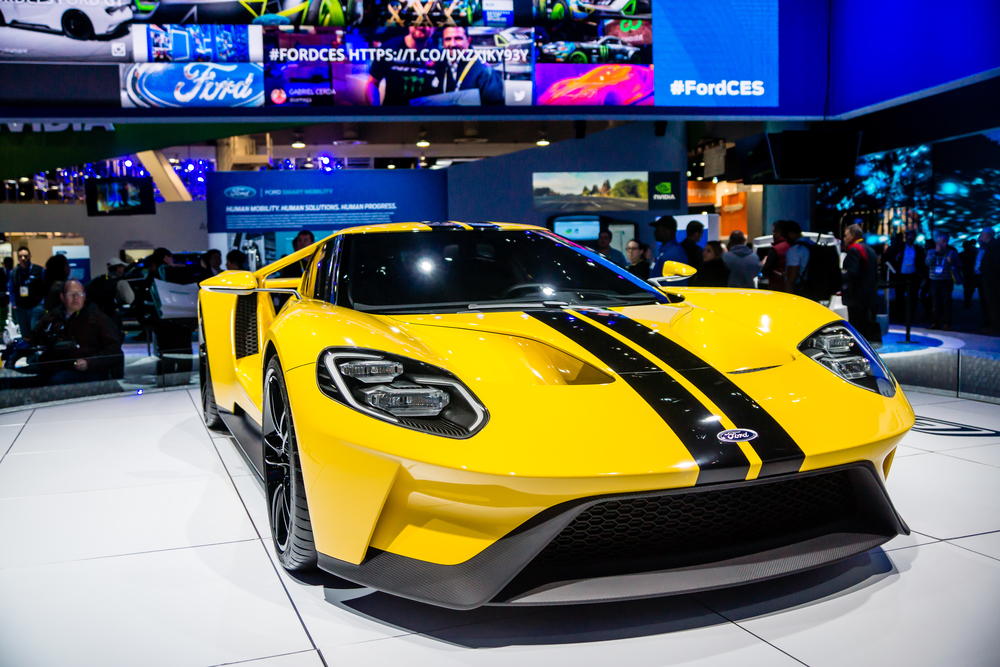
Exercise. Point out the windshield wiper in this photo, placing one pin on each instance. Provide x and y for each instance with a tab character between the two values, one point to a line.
518	304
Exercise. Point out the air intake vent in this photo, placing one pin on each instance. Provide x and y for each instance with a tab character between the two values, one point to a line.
702	519
245	326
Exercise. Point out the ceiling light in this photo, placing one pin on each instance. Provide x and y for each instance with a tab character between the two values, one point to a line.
689	173
174	160
542	141
391	166
423	143
715	180
298	143
24	179
699	178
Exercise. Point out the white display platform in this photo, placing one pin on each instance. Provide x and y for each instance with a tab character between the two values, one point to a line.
131	535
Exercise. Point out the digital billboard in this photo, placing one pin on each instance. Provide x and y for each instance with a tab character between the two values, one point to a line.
599	191
288	54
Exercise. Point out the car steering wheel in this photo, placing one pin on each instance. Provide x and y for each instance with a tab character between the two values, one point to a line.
527	286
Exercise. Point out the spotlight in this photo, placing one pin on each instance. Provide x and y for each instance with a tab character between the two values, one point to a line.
128	163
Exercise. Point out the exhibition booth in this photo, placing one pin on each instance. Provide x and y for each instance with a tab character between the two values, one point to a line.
480	331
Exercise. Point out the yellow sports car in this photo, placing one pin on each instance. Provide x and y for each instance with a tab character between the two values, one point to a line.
477	413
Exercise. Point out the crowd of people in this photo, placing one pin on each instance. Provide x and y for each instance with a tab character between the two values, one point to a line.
796	264
73	332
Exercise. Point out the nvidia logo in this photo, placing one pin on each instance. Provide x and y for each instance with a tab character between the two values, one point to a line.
664	188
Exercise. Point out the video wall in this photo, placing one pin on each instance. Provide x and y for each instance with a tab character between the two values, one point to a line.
409	53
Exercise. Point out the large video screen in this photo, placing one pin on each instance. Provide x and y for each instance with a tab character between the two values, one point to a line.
410	53
600	191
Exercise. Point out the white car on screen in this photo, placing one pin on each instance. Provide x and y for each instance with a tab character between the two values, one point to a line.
78	19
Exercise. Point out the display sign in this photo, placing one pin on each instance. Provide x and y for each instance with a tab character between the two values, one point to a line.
78	257
195	84
276	201
600	191
396	53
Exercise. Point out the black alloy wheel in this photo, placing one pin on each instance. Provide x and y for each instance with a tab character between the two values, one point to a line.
76	25
287	509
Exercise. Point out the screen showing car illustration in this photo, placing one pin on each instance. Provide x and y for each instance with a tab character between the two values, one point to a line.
408	53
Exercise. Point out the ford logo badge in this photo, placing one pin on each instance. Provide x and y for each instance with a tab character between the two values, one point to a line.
736	435
239	192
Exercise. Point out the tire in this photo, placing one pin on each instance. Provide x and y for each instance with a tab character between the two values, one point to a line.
209	409
287	509
76	25
578	57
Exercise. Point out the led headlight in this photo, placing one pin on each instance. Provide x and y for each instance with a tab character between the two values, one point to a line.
407	400
400	390
845	352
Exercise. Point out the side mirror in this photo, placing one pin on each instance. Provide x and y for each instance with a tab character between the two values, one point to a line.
677	271
242	283
231	282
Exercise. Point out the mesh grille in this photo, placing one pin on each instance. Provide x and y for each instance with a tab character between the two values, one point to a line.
685	523
245	326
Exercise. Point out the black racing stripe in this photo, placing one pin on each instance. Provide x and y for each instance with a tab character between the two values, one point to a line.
775	447
686	416
444	225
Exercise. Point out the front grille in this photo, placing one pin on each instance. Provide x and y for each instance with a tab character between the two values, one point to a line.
245	326
675	524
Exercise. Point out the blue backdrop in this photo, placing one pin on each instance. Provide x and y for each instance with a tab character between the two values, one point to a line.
276	201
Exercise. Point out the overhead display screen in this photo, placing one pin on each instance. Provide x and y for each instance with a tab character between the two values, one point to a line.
290	54
600	191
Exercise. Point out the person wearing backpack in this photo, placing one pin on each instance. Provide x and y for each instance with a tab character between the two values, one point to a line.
811	270
797	257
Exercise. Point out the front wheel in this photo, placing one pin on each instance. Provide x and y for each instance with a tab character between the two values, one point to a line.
76	25
288	511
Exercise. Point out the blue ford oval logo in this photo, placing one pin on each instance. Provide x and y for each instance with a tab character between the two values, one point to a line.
240	192
736	435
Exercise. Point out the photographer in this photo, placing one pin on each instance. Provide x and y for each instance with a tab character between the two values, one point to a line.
81	342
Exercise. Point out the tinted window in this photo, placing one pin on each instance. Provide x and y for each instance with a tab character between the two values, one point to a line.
443	270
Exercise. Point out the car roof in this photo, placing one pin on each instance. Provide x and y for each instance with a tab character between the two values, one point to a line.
428	226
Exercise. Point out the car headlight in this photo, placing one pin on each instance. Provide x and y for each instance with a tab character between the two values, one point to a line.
845	352
400	390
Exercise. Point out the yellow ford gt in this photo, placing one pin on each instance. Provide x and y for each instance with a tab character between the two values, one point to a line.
469	414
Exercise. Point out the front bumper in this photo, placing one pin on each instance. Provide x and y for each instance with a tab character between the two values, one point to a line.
635	545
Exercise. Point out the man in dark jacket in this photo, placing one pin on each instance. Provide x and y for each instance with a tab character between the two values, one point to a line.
27	291
989	272
82	344
5	273
909	261
694	252
860	293
470	74
944	269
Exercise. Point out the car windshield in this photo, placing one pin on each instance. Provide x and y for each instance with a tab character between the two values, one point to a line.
445	271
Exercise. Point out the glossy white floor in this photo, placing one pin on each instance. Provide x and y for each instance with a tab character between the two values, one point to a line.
130	535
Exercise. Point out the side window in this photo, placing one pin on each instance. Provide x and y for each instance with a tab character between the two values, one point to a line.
322	278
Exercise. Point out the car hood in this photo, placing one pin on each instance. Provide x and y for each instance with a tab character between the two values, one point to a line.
518	336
